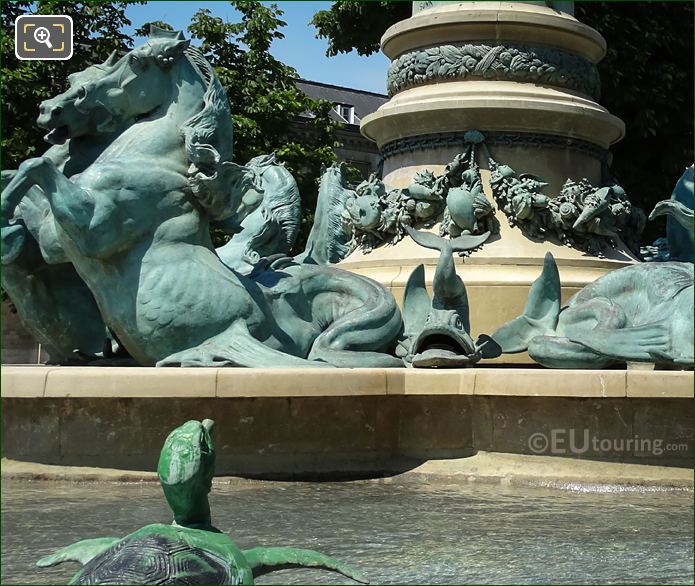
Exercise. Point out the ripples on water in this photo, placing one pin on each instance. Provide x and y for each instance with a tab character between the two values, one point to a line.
395	534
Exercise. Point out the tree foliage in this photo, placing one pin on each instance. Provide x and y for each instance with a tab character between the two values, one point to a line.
264	100
98	30
647	81
646	76
358	26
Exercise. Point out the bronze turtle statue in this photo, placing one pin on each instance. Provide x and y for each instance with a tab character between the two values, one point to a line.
190	550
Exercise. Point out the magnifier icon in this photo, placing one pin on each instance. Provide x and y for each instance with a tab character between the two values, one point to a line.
41	35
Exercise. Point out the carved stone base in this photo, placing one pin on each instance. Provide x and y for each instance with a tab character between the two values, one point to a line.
497	278
522	74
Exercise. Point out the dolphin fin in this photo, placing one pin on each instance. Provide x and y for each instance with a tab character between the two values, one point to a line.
540	314
237	347
81	551
416	302
487	347
270	559
641	343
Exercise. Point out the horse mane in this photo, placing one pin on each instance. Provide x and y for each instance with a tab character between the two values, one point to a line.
283	205
208	139
338	246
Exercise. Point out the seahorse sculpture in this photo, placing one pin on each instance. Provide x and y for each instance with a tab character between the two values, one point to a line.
272	227
52	301
141	241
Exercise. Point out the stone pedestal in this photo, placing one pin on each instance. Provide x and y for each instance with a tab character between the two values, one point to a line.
340	423
523	74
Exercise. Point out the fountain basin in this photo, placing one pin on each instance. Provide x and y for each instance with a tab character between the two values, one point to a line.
394	533
343	423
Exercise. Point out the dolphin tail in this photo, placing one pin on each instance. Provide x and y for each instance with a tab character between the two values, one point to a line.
264	560
449	289
540	314
460	244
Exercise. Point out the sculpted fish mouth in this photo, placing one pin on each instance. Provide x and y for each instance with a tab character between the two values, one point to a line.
443	347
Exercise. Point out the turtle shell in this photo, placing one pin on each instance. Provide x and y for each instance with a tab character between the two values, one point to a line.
158	557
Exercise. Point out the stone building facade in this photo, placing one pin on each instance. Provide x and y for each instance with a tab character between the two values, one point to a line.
350	107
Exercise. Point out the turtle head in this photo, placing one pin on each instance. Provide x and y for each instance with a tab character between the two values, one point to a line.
186	466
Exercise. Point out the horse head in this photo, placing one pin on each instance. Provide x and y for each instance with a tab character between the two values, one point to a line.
59	114
364	208
138	84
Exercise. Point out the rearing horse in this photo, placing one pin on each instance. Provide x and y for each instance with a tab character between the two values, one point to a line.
135	225
51	299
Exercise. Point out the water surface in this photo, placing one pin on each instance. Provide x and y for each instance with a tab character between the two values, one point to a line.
395	534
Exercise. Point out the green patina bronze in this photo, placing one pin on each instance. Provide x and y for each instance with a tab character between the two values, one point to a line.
437	331
376	214
492	61
467	209
679	222
454	140
330	239
52	301
190	550
273	213
582	216
135	225
640	313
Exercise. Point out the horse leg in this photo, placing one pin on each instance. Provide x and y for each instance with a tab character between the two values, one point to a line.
72	206
14	236
96	223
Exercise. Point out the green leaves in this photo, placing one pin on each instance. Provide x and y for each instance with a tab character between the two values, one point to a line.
647	80
351	25
266	104
25	84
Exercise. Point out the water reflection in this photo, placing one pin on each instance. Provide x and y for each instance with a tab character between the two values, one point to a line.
395	534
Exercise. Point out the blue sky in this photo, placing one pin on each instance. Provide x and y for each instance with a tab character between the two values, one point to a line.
300	48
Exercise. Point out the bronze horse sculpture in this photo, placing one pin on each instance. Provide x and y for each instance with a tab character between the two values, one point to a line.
135	225
51	299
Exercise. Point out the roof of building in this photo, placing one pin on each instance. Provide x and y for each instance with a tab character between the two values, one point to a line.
363	101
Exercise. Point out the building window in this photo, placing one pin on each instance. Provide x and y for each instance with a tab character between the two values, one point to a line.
346	112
